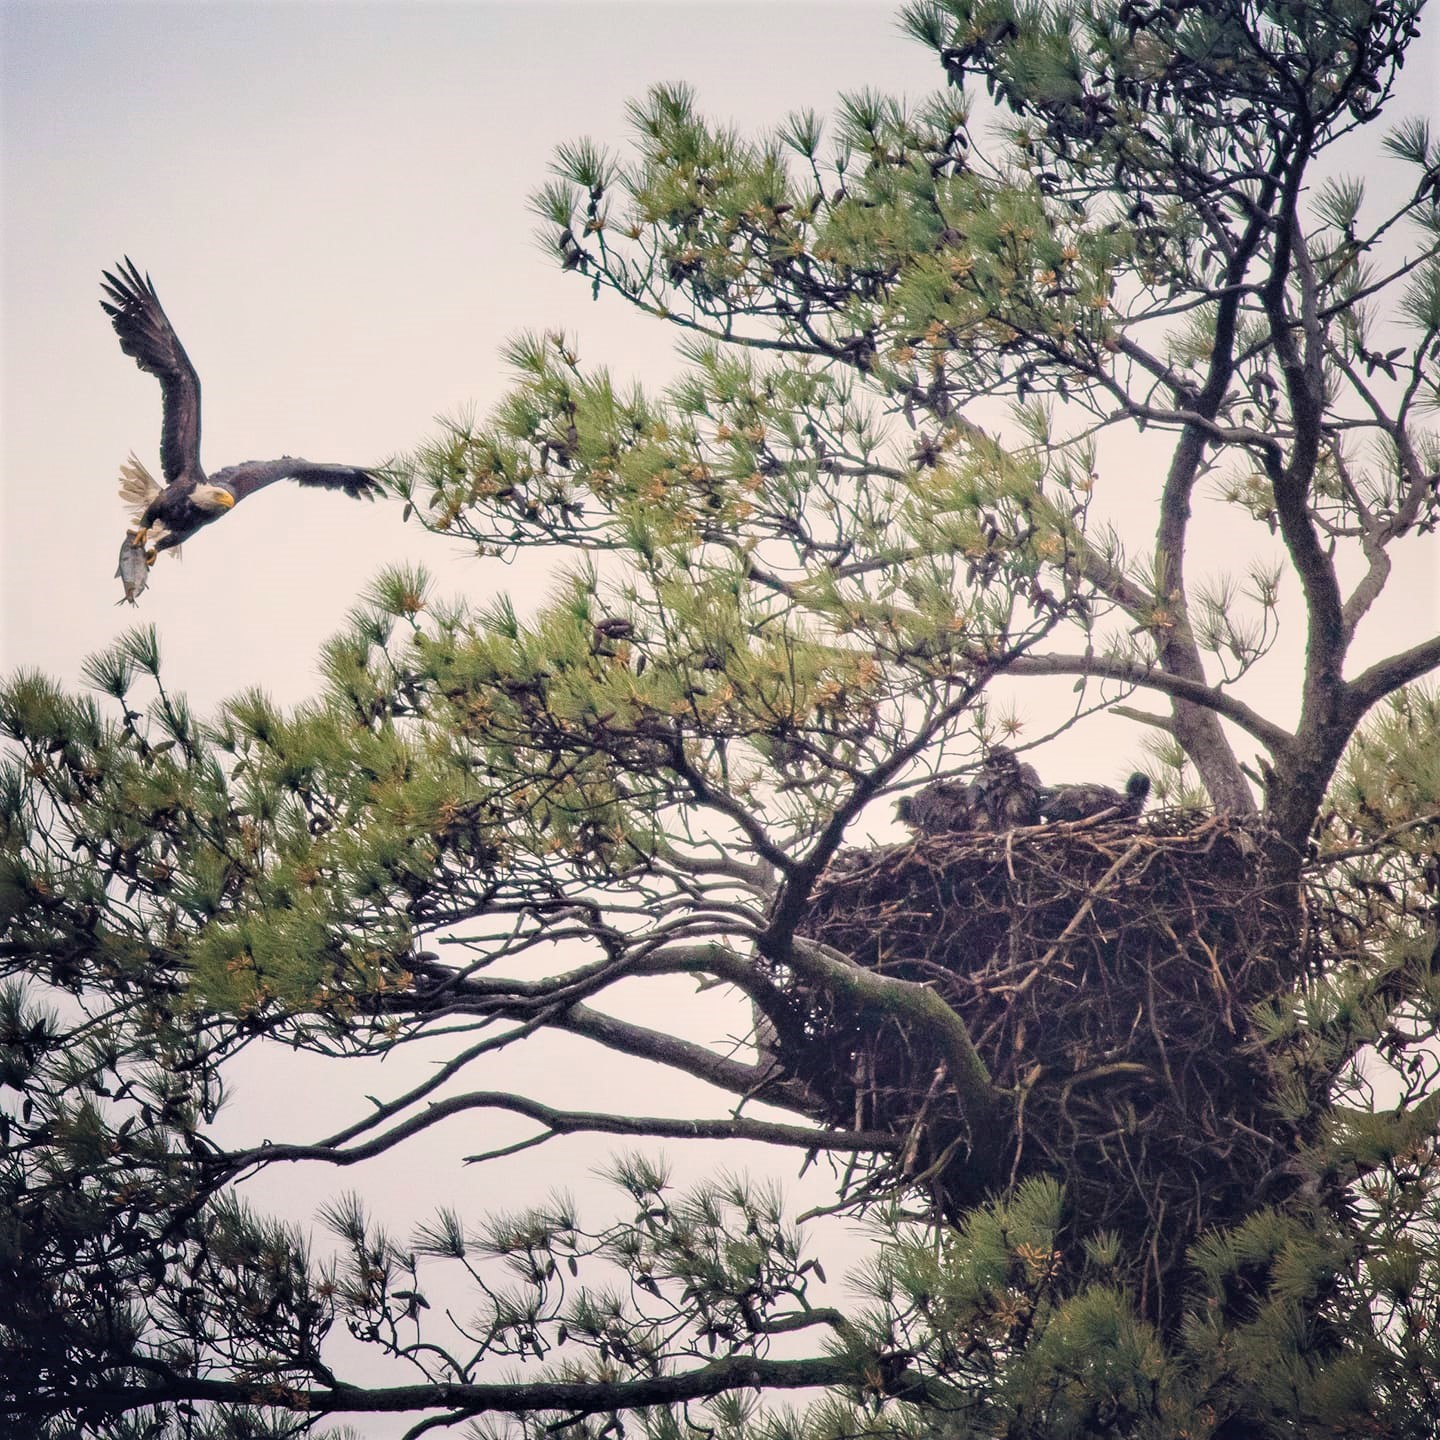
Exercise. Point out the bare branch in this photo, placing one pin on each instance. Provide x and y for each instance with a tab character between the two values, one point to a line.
1196	693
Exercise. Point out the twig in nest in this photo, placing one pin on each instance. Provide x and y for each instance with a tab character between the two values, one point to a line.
1131	851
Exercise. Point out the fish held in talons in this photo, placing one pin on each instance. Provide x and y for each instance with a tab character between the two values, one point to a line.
133	570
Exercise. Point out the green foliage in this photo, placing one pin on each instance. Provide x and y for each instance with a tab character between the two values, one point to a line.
882	494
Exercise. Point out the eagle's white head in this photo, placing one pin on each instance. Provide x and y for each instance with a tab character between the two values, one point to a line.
211	498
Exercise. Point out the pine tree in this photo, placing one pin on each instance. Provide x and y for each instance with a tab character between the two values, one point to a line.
1143	1113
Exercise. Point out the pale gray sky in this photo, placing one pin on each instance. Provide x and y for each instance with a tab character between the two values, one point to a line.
331	200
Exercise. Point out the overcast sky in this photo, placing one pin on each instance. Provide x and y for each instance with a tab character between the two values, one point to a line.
331	199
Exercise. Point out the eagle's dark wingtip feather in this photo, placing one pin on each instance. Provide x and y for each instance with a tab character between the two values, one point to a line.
116	291
124	296
128	286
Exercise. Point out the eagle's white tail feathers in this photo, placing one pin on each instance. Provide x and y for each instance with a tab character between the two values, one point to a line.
138	487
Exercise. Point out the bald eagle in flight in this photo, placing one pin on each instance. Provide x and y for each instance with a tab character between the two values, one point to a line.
165	515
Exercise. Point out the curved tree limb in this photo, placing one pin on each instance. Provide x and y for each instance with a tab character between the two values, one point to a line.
569	1122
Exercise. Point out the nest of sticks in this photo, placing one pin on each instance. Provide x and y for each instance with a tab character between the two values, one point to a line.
1105	972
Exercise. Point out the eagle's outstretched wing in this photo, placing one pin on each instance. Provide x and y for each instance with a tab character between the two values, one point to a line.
241	480
148	336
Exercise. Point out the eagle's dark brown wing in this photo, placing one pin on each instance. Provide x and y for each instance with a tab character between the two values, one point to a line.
1080	802
148	336
251	475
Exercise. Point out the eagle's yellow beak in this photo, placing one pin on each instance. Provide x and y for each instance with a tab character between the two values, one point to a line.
225	500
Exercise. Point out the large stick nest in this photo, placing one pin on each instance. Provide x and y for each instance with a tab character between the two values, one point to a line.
1105	973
